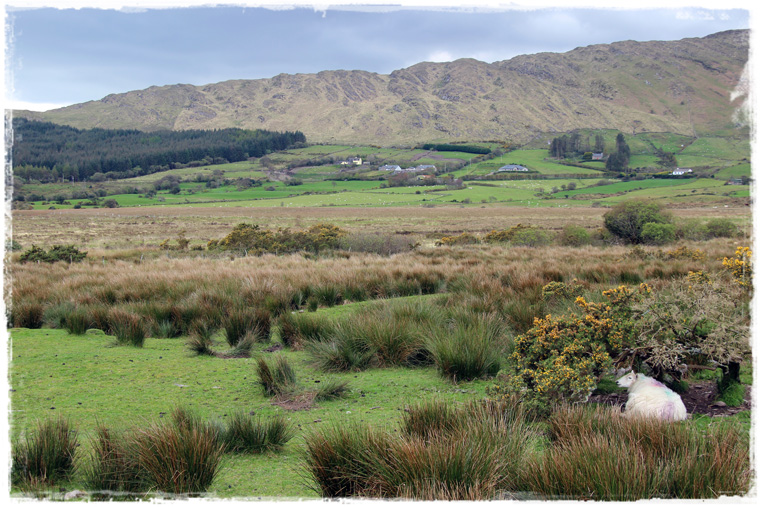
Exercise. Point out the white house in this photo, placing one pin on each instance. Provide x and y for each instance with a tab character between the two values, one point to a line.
389	167
512	168
681	171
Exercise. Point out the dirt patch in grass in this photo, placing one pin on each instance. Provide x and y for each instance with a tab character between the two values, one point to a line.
700	399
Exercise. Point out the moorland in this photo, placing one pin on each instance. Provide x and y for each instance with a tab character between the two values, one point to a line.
294	324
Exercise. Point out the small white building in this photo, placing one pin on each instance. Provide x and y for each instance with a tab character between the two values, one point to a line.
389	167
512	168
681	171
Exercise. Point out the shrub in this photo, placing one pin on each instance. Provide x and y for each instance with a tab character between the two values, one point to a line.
740	266
530	237
560	358
46	455
694	319
254	240
574	235
721	228
463	239
627	219
554	291
506	235
68	253
657	234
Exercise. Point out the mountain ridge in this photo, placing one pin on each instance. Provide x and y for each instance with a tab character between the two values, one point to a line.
681	86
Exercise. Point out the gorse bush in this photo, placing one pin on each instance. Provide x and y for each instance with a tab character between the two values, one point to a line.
68	253
694	319
46	455
254	240
560	358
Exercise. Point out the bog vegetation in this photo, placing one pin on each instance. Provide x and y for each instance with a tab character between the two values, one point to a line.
426	356
534	331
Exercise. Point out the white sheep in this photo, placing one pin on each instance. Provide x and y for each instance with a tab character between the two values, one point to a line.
650	398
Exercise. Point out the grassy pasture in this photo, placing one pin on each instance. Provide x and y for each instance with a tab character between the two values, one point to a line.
87	380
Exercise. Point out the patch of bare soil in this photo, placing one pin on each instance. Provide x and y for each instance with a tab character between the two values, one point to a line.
700	399
303	401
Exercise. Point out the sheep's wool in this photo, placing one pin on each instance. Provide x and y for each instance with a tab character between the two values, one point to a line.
649	398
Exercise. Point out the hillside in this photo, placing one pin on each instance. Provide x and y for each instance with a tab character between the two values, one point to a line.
684	87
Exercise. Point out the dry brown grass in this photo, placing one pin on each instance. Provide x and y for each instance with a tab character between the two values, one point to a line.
140	227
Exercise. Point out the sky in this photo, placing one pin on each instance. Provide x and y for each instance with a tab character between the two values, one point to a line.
61	56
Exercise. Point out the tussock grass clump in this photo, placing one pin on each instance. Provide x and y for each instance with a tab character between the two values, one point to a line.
394	340
76	322
332	461
128	328
598	453
178	459
331	389
346	350
112	467
244	433
468	350
240	322
479	451
201	335
429	417
46	455
28	314
298	328
278	379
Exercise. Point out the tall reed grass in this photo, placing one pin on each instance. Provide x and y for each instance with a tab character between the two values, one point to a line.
46	455
470	453
599	454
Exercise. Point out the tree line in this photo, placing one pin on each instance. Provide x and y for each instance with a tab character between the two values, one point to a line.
45	151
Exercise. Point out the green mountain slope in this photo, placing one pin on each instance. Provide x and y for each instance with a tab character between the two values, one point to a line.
683	87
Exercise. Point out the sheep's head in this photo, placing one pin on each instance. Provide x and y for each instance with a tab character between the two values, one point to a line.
627	380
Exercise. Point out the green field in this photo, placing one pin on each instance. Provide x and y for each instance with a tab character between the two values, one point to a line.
89	381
